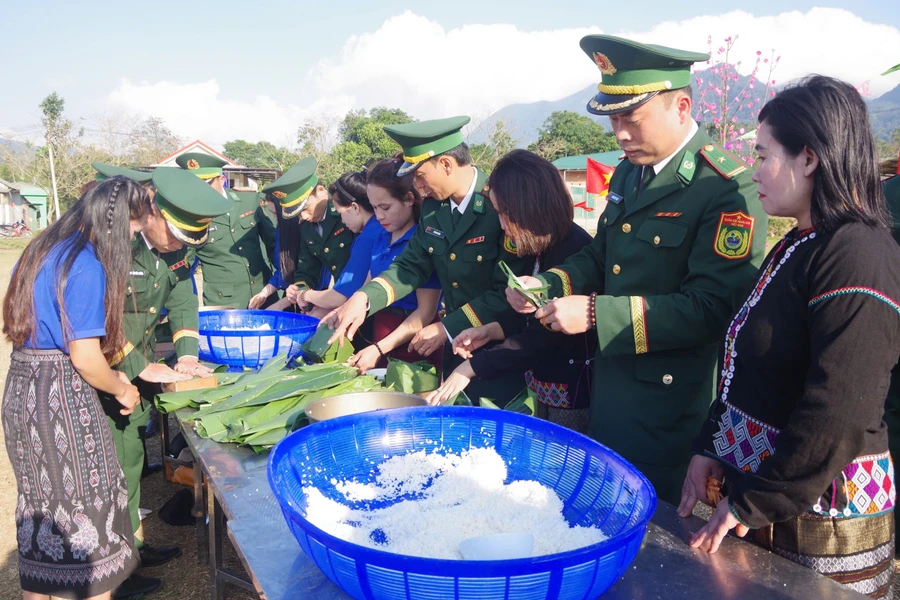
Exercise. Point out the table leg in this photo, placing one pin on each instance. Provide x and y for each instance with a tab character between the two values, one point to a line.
216	523
199	513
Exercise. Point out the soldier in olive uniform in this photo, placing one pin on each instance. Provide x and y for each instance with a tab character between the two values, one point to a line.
233	262
181	208
459	237
678	245
325	241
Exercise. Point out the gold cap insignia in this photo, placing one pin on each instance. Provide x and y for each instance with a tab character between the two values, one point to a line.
604	64
193	164
279	195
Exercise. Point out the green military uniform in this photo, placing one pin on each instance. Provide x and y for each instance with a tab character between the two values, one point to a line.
892	404
157	281
324	246
233	261
672	260
463	254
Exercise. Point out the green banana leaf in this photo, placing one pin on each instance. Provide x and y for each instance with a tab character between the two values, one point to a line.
461	399
319	350
268	438
235	400
536	296
216	426
411	378
274	364
266	413
486	403
523	403
365	383
172	401
892	69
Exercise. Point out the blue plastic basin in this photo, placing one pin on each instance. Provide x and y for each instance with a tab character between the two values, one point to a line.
248	338
597	486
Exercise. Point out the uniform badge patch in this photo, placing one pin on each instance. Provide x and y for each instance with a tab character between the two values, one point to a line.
136	273
476	240
734	236
509	245
670	215
246	214
340	231
614	197
178	265
435	232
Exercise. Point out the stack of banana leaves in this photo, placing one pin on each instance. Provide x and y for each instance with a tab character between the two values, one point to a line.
259	408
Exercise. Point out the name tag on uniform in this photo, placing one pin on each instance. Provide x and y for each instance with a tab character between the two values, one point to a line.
435	232
178	265
614	198
136	273
477	240
212	227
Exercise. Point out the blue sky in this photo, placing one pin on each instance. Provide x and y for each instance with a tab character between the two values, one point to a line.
292	53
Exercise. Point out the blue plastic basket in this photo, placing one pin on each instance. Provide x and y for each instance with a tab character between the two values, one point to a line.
597	486
248	348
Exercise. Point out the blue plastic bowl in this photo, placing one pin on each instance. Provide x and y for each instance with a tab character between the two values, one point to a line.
597	486
223	342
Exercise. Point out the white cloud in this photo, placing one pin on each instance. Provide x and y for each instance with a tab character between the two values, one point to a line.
476	69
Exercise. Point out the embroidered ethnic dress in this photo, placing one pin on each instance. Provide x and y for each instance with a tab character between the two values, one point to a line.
798	419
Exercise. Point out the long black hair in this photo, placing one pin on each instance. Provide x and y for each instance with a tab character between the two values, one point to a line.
384	175
288	241
100	217
829	117
349	188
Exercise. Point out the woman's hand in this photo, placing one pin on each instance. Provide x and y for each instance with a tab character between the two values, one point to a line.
347	319
518	302
260	298
157	373
699	470
291	293
129	397
472	339
190	365
568	315
365	359
428	339
453	385
710	537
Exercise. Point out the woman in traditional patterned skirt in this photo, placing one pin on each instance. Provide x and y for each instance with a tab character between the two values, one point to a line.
796	431
63	315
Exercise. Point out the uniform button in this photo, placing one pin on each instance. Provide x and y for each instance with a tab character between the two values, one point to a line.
152	310
240	247
156	284
478	258
326	250
616	269
227	214
430	250
252	283
232	230
342	244
147	332
452	256
626	227
656	240
334	267
220	294
667	379
456	285
176	278
604	220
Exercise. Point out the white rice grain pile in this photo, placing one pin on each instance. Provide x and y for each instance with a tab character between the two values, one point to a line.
458	496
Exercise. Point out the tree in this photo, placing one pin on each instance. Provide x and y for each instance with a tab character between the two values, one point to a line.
890	147
152	140
567	133
367	130
261	155
499	143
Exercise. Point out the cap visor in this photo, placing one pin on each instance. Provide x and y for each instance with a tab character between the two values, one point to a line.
290	213
407	168
608	104
194	239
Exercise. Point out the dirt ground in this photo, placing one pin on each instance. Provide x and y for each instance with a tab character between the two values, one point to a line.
183	578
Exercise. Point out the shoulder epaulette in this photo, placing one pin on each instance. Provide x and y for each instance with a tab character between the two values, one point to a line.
726	164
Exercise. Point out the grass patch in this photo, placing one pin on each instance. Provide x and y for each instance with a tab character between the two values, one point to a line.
14	243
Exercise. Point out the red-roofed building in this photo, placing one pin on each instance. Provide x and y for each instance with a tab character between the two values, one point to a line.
239	177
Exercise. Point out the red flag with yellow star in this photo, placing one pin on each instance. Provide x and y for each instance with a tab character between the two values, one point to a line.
598	176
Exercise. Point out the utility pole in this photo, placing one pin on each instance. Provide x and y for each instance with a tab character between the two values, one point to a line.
53	175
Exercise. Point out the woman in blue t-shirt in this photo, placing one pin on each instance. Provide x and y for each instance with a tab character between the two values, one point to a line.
63	315
348	194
